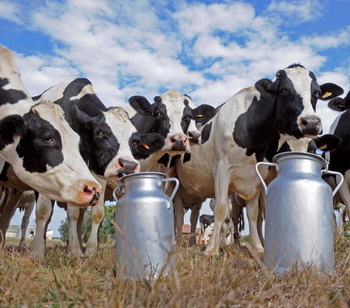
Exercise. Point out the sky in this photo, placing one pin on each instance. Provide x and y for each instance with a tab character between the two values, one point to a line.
207	49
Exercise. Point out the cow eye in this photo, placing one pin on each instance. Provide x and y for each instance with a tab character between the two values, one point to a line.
284	91
47	140
98	133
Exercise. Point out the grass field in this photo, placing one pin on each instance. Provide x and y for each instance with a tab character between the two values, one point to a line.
233	279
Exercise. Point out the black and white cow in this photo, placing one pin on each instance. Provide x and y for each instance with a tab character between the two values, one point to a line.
39	144
339	159
172	115
109	144
248	128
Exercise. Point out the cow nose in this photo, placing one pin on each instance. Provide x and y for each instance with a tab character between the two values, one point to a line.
178	142
89	192
127	166
194	136
310	126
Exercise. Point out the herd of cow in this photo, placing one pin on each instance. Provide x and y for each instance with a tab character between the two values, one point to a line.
67	146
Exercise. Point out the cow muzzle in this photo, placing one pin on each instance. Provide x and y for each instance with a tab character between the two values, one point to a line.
178	142
88	194
127	166
310	126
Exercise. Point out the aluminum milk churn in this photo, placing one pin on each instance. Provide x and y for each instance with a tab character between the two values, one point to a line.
299	225
144	226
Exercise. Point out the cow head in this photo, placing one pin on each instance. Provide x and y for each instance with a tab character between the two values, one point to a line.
171	115
295	92
44	153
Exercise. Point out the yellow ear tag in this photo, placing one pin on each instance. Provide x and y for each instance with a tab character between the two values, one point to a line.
146	146
33	110
323	147
199	116
326	94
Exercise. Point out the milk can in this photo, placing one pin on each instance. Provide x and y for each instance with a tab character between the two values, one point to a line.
299	225
144	226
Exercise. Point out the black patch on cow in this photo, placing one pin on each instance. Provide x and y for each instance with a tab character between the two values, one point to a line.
3	174
10	127
164	160
98	143
174	160
40	146
10	96
340	157
186	117
206	132
187	157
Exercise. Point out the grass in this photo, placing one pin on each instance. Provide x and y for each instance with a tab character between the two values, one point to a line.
233	279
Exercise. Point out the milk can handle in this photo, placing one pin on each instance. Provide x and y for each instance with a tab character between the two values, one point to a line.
335	173
175	189
119	188
263	184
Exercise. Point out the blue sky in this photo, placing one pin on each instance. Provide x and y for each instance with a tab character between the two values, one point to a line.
207	49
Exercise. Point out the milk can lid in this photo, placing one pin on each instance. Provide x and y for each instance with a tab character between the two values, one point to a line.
299	154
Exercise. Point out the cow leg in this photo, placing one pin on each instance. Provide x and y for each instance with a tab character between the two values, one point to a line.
194	219
43	212
178	217
8	211
262	207
221	208
97	215
74	248
253	216
24	225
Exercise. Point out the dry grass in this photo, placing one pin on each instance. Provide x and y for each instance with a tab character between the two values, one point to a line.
234	279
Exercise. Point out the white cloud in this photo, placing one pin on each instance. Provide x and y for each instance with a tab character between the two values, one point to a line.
9	11
295	11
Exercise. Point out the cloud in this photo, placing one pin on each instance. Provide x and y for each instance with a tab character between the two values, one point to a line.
9	12
295	11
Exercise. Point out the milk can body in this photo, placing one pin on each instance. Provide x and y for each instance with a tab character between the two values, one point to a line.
144	226
299	227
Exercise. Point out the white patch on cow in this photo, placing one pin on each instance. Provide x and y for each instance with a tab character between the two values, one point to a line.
174	101
88	89
301	80
122	128
300	145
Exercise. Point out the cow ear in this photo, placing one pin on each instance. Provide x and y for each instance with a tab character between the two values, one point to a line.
203	113
140	104
265	86
10	127
330	90
338	104
81	116
157	99
327	142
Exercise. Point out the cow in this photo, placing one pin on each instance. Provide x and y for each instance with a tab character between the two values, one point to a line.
109	145
339	159
226	233
39	144
248	128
